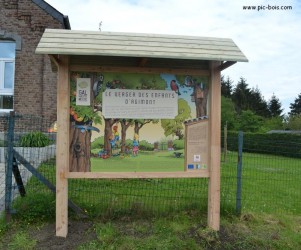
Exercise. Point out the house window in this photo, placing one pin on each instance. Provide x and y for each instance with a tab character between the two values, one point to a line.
7	74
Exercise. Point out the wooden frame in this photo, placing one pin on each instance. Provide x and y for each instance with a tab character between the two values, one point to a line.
135	175
63	174
138	53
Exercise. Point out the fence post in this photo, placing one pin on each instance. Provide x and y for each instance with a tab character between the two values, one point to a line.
239	172
9	167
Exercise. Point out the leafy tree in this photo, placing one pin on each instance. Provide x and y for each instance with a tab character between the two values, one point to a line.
109	122
80	142
249	121
139	123
226	87
241	95
125	124
274	106
200	86
228	113
296	106
294	122
83	114
175	126
274	123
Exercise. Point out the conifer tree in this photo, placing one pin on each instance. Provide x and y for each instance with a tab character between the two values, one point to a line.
274	106
226	86
257	103
241	95
296	106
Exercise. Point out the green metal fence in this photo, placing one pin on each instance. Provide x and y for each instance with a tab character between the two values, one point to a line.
249	182
271	182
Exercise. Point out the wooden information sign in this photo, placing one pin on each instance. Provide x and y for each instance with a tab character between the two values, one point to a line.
190	67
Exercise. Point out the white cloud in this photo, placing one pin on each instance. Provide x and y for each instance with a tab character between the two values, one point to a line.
271	39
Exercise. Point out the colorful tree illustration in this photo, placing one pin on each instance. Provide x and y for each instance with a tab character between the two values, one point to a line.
175	126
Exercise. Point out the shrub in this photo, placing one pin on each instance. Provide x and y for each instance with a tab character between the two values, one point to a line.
34	139
145	145
97	143
178	144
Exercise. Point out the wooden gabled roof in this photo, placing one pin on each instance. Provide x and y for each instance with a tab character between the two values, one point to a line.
96	43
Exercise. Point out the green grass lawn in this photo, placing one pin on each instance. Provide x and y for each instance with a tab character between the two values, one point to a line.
270	183
153	213
148	161
181	230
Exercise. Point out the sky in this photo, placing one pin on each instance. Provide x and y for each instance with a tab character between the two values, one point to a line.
269	35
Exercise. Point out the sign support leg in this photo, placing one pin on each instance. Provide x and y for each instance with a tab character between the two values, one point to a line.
62	148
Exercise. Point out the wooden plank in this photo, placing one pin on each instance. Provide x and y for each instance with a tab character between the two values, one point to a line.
152	63
62	148
140	43
54	63
55	60
68	50
87	68
143	62
143	44
138	175
215	128
99	43
127	48
129	36
225	65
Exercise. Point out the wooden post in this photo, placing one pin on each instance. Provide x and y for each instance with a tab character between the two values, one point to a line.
225	141
62	147
215	133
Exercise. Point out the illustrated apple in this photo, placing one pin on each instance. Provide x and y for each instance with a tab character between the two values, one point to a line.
80	119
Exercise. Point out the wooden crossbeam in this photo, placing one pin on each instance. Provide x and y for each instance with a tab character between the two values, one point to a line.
226	65
143	62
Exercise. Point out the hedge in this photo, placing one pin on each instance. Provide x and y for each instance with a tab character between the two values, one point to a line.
276	144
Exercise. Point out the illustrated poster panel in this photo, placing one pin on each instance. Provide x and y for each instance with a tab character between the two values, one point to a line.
138	141
197	151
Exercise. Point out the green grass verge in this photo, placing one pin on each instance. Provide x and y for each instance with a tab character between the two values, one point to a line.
123	209
269	183
181	230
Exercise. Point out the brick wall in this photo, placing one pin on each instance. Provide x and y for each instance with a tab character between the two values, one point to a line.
35	83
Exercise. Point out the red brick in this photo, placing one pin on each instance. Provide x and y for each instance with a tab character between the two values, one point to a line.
35	83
